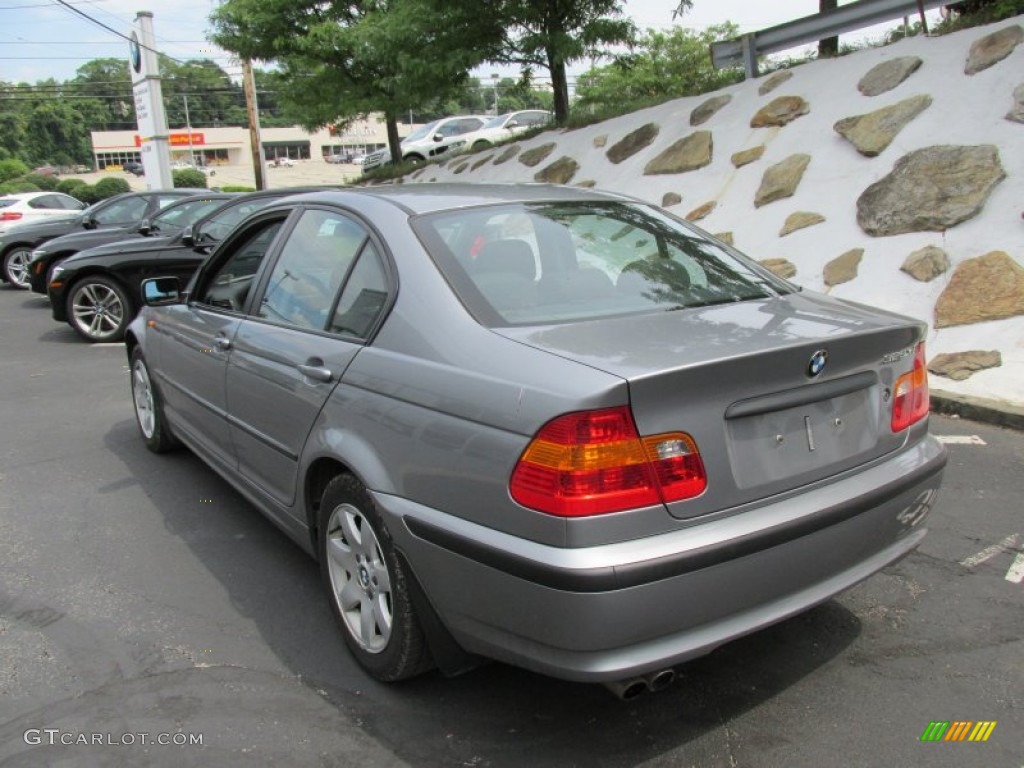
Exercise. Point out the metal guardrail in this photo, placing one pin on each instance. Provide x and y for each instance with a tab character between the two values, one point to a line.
810	29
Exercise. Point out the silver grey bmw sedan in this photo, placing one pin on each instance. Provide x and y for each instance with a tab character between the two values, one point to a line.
550	426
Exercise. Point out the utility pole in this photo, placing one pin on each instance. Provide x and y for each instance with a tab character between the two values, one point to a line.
249	86
188	127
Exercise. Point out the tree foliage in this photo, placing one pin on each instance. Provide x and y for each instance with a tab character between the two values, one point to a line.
666	65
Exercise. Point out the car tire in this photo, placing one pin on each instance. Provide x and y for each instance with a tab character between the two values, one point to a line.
415	159
481	145
149	408
16	267
98	309
368	584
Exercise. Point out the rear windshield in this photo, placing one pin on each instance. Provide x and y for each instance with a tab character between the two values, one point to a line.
537	264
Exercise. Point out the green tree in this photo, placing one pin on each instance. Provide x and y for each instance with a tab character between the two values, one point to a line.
664	65
343	60
554	33
12	169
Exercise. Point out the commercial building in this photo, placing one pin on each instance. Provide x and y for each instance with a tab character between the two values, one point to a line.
230	145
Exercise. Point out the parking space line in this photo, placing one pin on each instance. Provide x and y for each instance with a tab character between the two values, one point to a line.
1016	572
960	439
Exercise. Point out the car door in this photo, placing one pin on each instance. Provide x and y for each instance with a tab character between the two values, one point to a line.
195	339
314	310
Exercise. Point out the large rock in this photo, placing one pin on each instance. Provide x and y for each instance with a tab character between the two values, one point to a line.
800	220
559	172
507	154
989	287
887	75
774	81
535	156
780	111
746	156
1017	112
843	269
962	365
873	132
671	198
930	190
784	268
600	141
702	211
707	110
632	143
925	264
781	180
993	48
687	154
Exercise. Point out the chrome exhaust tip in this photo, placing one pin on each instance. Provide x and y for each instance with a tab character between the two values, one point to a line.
659	681
628	689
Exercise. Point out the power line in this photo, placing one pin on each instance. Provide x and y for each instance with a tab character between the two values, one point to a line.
123	36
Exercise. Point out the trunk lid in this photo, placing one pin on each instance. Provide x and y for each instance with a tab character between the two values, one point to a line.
739	379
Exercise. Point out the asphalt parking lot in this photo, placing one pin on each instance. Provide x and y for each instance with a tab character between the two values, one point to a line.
141	597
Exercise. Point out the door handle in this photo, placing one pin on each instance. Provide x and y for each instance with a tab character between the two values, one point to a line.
222	342
317	372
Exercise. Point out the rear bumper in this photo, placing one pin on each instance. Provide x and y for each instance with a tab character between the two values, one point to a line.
607	612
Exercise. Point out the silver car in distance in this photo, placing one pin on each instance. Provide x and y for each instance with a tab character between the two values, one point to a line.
550	426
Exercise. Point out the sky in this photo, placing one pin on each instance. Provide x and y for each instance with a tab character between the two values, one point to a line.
43	38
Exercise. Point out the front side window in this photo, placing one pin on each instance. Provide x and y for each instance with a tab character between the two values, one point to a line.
180	216
534	264
229	285
313	264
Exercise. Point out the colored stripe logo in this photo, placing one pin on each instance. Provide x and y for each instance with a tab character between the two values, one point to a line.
958	730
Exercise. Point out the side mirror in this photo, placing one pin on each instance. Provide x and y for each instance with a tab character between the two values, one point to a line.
90	222
161	291
146	228
438	137
512	124
189	237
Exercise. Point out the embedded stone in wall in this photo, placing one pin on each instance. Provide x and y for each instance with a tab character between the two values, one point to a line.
962	365
745	156
774	81
781	180
600	141
843	269
559	172
925	264
780	111
1017	112
873	132
588	184
687	154
993	48
800	220
632	143
702	211
989	287
707	110
482	161
725	237
784	268
507	155
887	75
532	157
930	190
671	198
460	167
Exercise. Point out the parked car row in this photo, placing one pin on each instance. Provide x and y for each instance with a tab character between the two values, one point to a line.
498	415
450	135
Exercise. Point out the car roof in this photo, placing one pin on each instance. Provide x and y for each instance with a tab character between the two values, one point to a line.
29	195
433	197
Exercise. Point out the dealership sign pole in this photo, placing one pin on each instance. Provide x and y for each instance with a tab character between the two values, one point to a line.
149	103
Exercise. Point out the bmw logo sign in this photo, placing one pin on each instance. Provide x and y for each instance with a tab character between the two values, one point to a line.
136	52
817	364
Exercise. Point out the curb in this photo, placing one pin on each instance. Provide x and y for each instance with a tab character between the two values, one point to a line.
995	412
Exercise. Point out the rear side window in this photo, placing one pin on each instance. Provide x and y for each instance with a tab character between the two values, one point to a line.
536	264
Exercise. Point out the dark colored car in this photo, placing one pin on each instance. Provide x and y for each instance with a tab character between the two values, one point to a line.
134	168
550	426
96	291
119	211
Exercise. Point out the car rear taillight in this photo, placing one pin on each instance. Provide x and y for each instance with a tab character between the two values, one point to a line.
910	401
10	215
595	462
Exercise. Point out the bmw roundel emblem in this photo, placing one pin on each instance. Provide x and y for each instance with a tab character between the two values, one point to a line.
817	363
136	53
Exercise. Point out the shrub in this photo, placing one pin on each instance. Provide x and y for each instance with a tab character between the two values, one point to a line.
71	187
189	177
12	169
45	183
110	186
237	188
16	186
